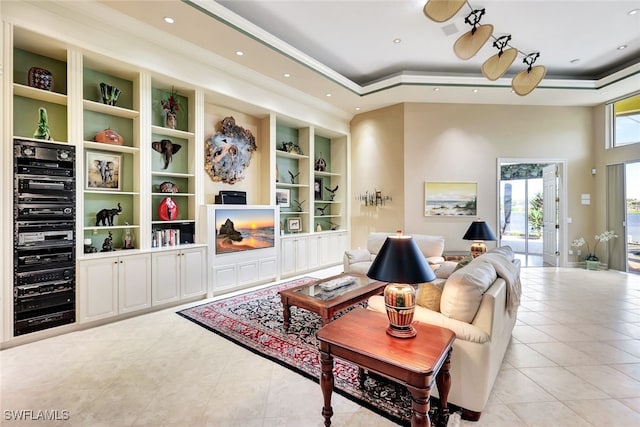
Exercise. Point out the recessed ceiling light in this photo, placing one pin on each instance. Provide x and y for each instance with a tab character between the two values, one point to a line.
169	20
575	60
239	52
435	89
622	47
396	41
287	75
328	95
357	108
633	11
476	90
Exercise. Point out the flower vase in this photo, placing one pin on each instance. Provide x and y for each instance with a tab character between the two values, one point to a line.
170	120
592	265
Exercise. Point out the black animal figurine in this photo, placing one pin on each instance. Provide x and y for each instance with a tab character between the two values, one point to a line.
333	192
322	209
105	216
107	245
167	149
293	177
298	205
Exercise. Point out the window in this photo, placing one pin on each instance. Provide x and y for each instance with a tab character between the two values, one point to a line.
626	121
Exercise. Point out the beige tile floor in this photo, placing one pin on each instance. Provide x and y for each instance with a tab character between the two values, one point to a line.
574	361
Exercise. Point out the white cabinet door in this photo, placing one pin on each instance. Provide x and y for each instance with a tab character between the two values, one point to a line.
314	254
98	289
288	250
193	272
301	254
134	282
165	277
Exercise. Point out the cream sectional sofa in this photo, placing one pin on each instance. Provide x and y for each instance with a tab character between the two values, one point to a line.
359	260
479	303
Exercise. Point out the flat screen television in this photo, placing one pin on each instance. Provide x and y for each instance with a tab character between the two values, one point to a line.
244	229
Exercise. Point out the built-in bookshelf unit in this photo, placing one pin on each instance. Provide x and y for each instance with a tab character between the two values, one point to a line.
127	164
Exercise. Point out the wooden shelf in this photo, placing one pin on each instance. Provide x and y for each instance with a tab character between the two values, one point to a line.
112	110
159	130
39	94
288	155
110	147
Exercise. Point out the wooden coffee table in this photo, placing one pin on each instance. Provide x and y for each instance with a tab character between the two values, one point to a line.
326	303
360	337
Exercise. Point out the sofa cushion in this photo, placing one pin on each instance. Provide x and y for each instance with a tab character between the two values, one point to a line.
428	295
376	240
430	246
445	269
358	255
463	290
507	251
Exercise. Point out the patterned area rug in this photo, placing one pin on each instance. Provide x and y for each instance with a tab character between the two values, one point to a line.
254	320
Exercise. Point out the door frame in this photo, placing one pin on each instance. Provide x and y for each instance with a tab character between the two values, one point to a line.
563	247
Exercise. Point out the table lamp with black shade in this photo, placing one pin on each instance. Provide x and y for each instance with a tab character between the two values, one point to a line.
401	263
479	231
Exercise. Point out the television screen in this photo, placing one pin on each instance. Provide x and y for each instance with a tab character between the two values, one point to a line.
244	229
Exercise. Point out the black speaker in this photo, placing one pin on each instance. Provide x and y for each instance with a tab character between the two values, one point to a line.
231	198
186	232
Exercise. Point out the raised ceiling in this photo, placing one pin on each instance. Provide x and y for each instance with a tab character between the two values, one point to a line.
347	49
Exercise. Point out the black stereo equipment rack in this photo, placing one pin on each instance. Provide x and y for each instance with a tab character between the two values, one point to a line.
44	241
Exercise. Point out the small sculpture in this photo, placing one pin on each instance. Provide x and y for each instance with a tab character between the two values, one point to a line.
169	187
333	192
293	177
105	216
109	93
291	147
109	136
167	209
298	205
167	149
322	209
128	238
107	245
42	131
320	164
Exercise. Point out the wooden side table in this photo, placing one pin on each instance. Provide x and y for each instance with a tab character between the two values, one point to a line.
359	337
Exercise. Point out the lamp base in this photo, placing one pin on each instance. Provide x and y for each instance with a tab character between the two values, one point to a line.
406	332
477	249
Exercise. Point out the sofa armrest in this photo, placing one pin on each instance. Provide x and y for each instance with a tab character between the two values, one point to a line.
464	331
355	256
492	308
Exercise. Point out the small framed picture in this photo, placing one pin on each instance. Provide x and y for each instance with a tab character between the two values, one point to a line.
283	196
317	188
102	171
294	224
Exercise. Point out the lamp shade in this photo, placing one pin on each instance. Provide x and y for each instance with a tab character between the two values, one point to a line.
479	230
400	261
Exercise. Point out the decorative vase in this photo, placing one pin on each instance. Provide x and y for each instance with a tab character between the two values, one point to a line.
170	120
592	265
400	302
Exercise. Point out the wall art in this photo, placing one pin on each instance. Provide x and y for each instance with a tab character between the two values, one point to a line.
450	198
102	171
283	196
228	152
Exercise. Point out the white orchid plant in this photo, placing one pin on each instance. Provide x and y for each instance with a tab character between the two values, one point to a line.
591	255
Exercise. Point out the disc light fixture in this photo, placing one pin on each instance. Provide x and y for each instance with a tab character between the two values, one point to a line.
470	43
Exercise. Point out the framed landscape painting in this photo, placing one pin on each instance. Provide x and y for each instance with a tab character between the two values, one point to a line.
450	198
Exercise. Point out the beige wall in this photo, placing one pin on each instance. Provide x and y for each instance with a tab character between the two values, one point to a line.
377	163
453	142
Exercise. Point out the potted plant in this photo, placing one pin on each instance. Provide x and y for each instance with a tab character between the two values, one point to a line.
591	259
171	106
